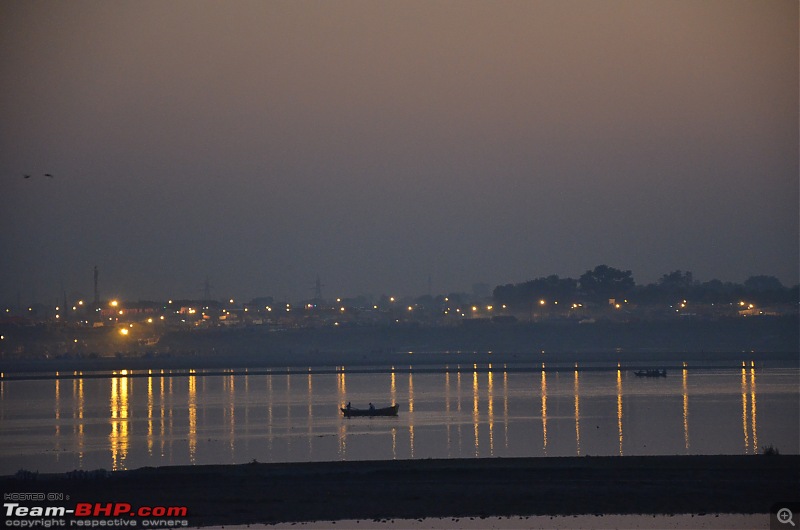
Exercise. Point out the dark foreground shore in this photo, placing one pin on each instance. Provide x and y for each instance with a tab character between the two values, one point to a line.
272	493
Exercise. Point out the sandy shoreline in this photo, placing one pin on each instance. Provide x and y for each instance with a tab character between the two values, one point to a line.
557	522
413	489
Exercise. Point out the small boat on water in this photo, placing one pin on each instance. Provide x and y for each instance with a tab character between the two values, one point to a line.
351	412
651	373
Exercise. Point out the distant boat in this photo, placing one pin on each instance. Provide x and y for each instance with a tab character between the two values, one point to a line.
651	373
350	412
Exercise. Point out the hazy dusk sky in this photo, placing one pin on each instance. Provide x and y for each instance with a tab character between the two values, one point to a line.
380	143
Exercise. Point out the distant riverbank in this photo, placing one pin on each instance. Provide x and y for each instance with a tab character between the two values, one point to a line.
329	362
273	493
671	343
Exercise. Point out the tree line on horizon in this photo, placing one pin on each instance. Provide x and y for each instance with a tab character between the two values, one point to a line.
603	283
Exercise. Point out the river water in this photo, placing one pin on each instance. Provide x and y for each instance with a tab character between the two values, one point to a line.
127	420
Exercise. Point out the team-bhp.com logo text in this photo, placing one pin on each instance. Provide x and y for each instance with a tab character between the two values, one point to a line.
94	515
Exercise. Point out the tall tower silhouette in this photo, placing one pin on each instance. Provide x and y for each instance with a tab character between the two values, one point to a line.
206	289
96	290
318	290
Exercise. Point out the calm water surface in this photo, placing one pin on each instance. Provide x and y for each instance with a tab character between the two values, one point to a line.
125	422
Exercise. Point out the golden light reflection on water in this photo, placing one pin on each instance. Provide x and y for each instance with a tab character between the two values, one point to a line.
749	428
619	409
310	409
544	410
128	424
192	405
411	412
490	409
685	410
57	420
447	411
246	408
753	406
150	415
162	415
393	387
341	390
577	414
288	399
458	408
58	410
475	412
269	412
505	406
230	387
341	387
119	437
744	411
170	416
77	415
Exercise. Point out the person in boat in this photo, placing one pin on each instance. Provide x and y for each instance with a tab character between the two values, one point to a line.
371	407
348	406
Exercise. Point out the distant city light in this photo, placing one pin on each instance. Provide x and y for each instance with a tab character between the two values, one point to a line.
123	331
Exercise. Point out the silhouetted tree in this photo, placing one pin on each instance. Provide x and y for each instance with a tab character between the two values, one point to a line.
762	284
551	288
766	290
604	282
677	280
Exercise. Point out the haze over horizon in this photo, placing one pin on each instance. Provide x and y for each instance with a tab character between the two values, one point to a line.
261	144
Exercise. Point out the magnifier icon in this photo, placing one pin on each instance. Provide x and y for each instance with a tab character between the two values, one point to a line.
785	516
